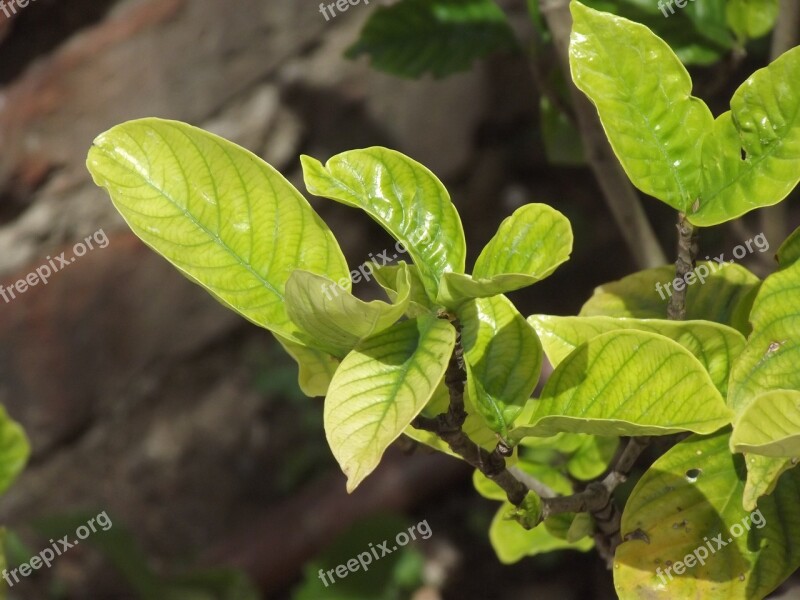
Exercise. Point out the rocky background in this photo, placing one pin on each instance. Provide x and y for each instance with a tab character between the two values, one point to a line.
140	394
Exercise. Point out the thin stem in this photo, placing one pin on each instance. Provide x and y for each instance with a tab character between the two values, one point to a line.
685	263
448	427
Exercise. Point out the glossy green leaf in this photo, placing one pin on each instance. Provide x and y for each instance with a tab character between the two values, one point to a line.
503	358
643	96
218	213
414	37
14	450
387	277
751	155
528	246
404	197
789	252
380	387
689	500
316	368
724	296
714	345
750	19
627	383
768	362
770	425
330	316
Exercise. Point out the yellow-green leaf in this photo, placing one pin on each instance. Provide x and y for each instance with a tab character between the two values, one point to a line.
401	195
688	504
222	216
316	368
503	358
642	93
332	317
770	425
627	383
714	345
380	387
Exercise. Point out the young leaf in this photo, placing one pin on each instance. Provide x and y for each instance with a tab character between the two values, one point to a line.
789	252
218	213
751	156
404	197
627	383
528	246
380	387
503	358
714	345
770	425
14	450
643	96
330	316
768	362
686	507
387	278
316	368
413	37
723	296
750	19
509	539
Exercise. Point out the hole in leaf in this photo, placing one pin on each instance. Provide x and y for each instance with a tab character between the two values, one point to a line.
744	154
693	474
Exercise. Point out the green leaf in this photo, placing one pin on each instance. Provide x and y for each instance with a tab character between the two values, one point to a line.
503	358
528	246
714	345
725	296
404	197
380	387
316	368
218	213
414	37
332	316
14	450
751	156
592	457
512	542
789	252
768	362
627	383
770	425
387	278
643	96
770	358
687	501
750	19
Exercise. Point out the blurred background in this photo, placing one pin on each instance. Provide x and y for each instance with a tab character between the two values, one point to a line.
144	398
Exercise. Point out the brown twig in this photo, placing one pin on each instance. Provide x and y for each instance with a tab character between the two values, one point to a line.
684	264
448	427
